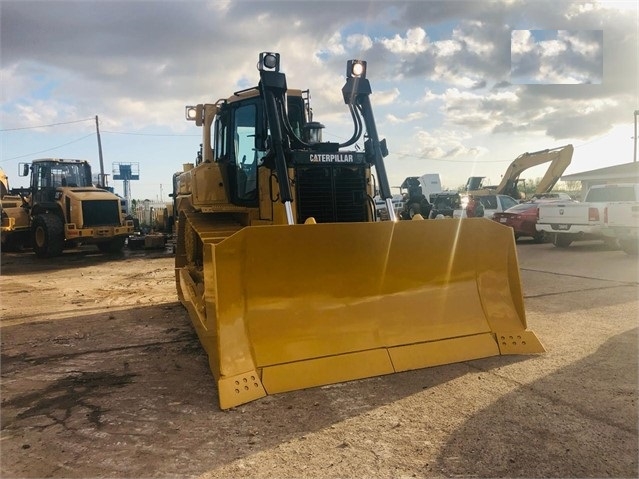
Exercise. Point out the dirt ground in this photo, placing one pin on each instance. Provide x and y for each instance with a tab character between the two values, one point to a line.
103	376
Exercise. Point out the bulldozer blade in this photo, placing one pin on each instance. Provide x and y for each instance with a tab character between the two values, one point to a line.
280	308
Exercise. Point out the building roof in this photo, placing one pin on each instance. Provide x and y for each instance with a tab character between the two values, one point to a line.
626	171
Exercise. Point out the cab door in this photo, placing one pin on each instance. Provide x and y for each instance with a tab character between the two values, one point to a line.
244	158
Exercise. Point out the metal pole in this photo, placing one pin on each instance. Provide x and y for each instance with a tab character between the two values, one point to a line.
97	130
635	137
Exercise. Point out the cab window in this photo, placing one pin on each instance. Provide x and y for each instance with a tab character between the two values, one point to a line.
247	158
221	123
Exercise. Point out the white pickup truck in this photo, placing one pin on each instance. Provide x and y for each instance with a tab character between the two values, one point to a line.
568	222
623	224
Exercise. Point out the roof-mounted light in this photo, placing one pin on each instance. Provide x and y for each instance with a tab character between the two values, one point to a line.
195	113
191	113
356	69
269	62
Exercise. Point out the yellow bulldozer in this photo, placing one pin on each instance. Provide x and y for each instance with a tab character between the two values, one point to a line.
289	279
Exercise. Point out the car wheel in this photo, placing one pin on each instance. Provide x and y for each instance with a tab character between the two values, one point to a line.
539	237
630	246
561	240
612	243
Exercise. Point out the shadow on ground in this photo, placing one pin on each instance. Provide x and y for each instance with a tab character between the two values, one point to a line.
580	422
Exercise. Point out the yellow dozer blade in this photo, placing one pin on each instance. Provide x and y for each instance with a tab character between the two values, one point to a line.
292	307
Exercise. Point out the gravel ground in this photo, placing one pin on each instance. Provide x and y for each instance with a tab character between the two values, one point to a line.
103	376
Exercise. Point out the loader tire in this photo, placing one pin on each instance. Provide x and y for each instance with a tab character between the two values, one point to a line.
47	235
561	241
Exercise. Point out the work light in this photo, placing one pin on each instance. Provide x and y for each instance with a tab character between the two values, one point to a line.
269	61
356	69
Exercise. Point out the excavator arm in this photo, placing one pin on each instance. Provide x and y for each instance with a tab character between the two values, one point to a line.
559	157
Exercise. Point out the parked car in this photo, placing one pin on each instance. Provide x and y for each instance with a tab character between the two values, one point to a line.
492	204
552	196
522	218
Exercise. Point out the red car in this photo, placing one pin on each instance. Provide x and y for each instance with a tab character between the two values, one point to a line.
522	218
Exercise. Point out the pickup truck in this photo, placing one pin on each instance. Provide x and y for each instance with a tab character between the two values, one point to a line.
623	224
568	222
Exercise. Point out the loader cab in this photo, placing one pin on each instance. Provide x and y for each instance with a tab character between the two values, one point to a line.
47	176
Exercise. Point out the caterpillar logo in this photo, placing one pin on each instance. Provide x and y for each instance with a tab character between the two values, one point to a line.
332	158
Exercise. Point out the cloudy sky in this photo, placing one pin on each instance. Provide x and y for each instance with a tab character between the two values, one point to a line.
460	88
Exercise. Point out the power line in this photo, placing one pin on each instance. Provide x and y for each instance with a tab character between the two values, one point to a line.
48	149
46	126
142	134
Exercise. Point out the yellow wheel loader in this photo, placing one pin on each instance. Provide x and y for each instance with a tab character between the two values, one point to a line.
289	280
14	232
65	208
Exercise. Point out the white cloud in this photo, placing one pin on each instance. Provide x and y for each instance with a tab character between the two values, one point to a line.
446	48
387	97
429	96
359	42
334	45
417	115
551	48
521	42
477	45
573	57
446	145
415	41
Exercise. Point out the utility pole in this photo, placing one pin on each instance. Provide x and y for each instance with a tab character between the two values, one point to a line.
102	176
635	137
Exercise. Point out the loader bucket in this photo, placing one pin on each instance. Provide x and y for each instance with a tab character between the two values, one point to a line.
292	307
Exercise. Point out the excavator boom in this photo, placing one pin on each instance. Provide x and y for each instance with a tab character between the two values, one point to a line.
559	159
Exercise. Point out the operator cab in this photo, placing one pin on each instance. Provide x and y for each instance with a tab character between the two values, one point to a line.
48	175
241	142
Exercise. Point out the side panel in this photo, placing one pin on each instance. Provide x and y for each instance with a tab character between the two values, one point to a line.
207	185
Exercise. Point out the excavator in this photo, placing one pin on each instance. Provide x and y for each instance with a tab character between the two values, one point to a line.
289	280
559	159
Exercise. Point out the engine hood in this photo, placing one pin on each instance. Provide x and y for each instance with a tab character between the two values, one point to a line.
88	193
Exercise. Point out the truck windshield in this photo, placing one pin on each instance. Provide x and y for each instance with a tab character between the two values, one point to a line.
612	193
